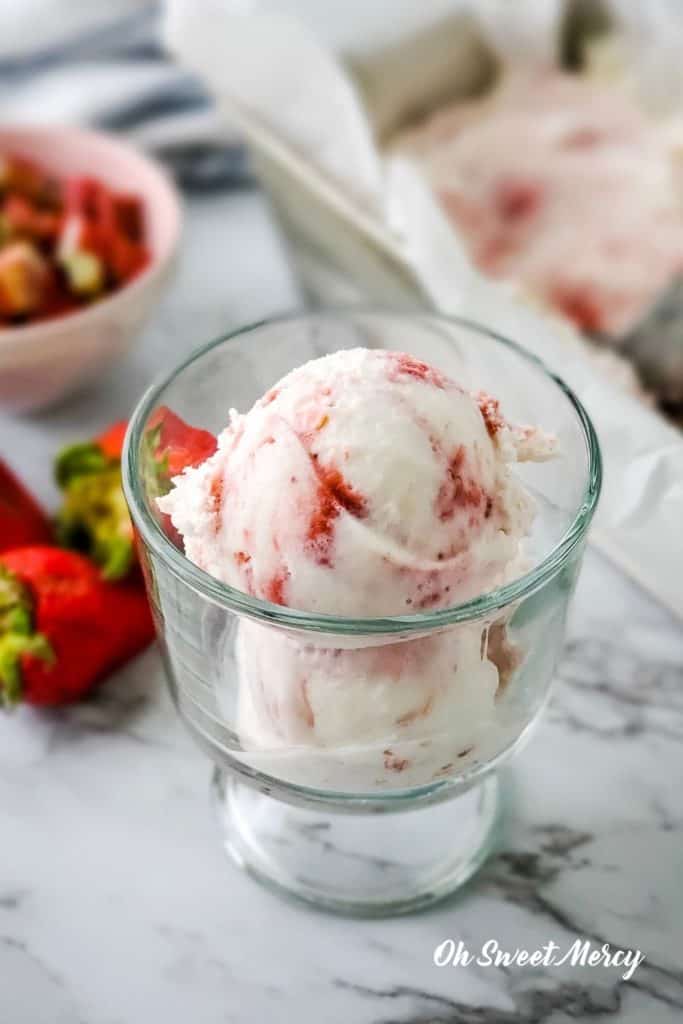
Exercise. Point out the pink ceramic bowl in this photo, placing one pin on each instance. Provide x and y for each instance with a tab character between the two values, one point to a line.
40	363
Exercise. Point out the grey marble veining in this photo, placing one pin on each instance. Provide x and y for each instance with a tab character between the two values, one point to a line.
118	906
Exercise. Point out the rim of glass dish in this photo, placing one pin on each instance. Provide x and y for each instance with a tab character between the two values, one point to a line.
242	603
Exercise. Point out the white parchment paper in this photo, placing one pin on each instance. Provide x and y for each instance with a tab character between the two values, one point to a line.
272	75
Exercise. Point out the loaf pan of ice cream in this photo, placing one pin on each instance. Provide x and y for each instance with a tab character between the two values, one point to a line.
566	188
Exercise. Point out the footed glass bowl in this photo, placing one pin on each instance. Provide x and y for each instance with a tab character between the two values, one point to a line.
355	758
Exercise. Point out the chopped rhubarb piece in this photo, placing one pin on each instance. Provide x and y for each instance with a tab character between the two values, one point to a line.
24	280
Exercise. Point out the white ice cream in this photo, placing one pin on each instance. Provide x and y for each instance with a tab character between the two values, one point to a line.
389	716
364	484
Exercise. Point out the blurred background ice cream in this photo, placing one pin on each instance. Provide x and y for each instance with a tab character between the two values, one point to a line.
565	186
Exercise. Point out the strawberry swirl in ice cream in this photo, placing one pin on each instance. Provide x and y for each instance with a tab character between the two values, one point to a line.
364	484
565	186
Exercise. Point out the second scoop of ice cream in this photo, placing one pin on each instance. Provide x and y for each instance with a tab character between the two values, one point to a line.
365	483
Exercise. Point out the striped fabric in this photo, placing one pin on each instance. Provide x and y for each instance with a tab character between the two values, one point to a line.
115	76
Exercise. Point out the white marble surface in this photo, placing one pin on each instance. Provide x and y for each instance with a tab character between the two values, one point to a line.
118	906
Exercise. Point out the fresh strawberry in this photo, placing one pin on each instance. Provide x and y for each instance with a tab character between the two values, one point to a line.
22	521
63	628
175	444
125	259
24	178
101	236
24	220
170	446
94	517
110	441
129	216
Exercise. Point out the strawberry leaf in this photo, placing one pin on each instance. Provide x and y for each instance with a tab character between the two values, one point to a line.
17	637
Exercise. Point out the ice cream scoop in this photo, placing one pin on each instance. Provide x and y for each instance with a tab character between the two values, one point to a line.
364	484
386	715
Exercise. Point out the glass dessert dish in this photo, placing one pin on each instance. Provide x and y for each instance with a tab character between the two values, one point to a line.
355	758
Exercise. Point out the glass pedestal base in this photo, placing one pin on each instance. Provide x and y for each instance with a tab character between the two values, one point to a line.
367	865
